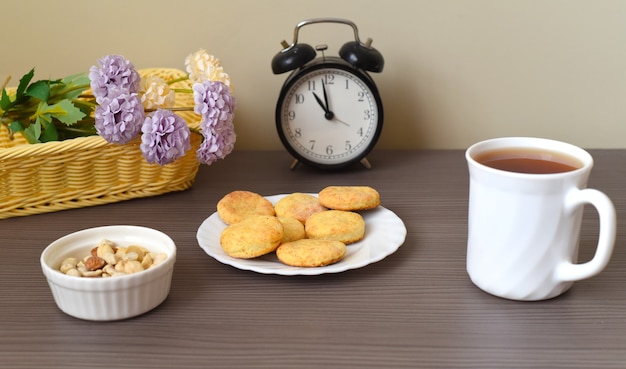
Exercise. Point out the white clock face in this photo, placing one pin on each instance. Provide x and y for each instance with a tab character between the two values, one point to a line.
329	116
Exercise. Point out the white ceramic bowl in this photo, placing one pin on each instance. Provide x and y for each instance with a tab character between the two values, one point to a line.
109	298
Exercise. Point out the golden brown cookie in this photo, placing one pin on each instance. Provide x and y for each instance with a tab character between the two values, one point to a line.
351	198
252	237
337	225
298	205
238	205
293	229
311	253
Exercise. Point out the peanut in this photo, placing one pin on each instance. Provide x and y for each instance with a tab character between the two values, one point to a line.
73	272
147	261
106	260
132	266
105	248
92	273
94	263
68	264
110	258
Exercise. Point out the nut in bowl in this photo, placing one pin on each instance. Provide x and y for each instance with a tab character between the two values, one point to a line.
112	298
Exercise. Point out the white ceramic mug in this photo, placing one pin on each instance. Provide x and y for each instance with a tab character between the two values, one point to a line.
523	229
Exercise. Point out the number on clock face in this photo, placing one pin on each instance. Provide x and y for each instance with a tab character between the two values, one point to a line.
329	116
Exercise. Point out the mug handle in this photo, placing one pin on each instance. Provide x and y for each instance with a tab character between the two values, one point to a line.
568	271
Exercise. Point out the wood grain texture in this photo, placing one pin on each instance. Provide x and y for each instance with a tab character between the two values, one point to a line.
414	309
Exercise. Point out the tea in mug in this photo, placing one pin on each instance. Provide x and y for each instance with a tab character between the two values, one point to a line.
526	160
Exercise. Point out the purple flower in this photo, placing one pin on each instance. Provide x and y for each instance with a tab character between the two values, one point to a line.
165	137
216	105
216	144
214	102
113	72
119	116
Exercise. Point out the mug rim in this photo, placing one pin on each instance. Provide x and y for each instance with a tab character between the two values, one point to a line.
522	142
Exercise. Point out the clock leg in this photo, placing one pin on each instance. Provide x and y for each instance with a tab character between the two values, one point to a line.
294	164
366	163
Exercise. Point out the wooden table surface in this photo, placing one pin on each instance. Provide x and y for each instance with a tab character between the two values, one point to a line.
415	308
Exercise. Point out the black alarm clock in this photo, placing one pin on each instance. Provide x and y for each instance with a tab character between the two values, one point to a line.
329	112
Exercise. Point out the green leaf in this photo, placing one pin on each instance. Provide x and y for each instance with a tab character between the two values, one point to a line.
39	90
16	126
76	79
5	100
75	85
42	109
85	106
32	132
66	112
24	81
44	119
49	132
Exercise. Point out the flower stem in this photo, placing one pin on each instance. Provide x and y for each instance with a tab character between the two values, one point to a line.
181	108
179	79
183	90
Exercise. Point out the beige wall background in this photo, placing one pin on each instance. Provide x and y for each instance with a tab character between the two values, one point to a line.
456	71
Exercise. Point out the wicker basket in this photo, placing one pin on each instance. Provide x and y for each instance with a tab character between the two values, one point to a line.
87	171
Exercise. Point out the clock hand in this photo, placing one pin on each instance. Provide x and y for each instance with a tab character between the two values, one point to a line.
319	101
327	113
325	97
341	121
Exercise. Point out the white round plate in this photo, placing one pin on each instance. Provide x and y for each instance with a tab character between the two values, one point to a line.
384	234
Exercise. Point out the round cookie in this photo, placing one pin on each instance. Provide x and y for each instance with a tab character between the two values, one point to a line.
311	253
254	236
336	225
298	205
350	198
238	205
293	229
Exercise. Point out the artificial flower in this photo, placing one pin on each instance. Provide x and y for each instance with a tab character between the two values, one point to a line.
119	117
113	72
213	102
202	66
156	93
216	145
165	137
